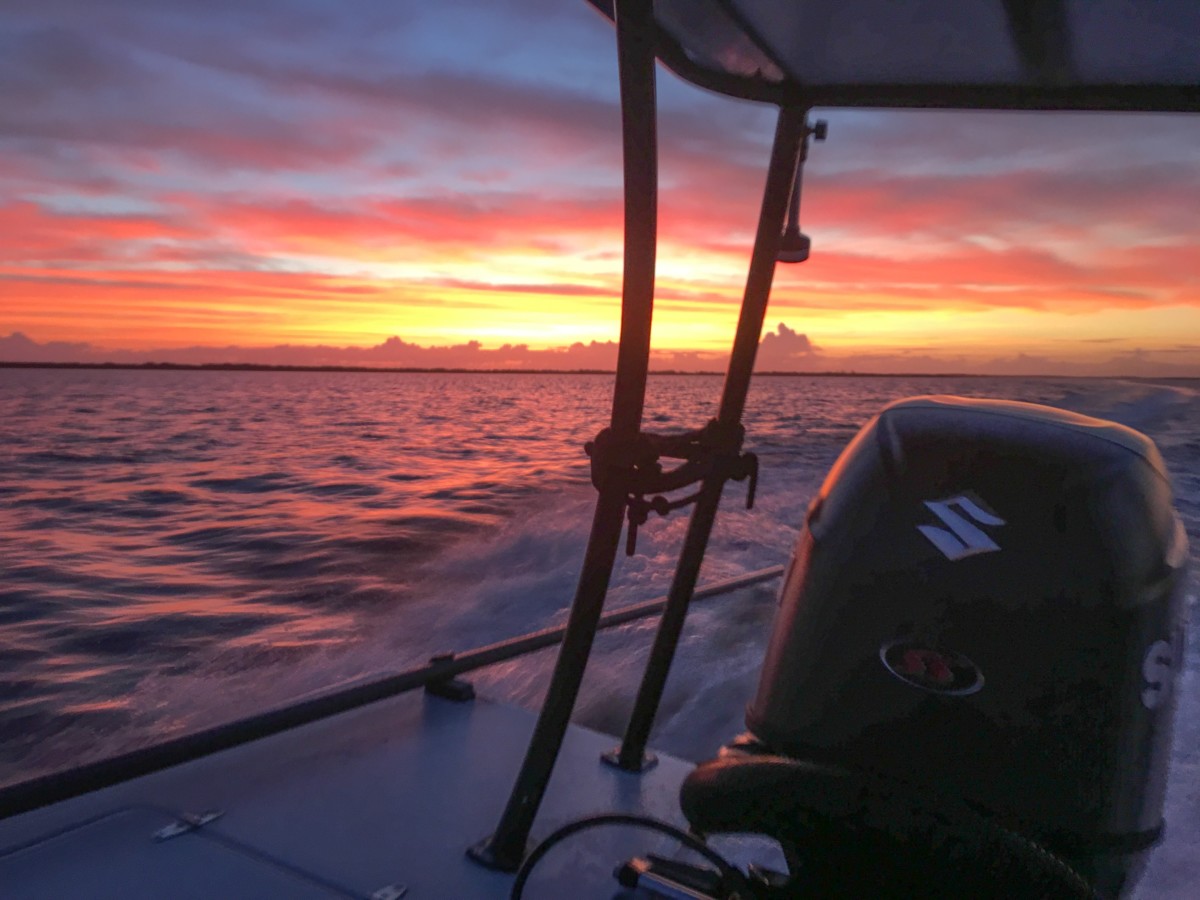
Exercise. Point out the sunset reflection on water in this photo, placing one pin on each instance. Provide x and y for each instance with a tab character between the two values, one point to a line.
184	547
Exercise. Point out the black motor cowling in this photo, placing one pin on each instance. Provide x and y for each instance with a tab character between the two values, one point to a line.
985	605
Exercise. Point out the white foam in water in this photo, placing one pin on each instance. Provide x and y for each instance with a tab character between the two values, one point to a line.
476	586
717	666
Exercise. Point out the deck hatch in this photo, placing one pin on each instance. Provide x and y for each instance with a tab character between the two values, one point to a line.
116	856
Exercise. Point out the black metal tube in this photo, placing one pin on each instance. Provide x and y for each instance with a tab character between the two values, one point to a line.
790	134
635	50
639	148
631	755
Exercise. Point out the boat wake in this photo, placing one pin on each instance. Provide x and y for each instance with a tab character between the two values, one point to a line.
394	553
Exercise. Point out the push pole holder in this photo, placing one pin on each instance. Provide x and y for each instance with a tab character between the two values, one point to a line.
794	245
711	451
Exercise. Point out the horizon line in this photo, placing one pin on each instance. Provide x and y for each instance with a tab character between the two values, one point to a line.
455	370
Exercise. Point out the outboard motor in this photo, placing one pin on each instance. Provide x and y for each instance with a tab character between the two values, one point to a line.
969	689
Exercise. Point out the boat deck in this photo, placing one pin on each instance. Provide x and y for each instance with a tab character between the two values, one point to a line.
383	797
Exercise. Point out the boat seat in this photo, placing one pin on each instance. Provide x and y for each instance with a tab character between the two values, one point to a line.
849	834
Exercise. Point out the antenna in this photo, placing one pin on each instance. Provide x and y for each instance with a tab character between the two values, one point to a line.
795	246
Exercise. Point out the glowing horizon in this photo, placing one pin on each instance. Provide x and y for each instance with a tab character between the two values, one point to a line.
175	181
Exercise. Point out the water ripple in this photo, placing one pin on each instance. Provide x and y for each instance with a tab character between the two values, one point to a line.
182	547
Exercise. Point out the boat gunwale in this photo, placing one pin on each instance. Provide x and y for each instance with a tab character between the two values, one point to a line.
46	790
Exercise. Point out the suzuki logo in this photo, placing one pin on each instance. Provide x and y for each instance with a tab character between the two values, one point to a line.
1156	669
960	537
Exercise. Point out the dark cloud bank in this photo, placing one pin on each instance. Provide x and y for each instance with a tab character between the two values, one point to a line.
781	350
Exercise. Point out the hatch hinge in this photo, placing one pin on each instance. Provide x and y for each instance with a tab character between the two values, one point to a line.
187	822
390	892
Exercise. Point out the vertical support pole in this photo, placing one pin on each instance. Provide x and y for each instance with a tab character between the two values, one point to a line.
790	135
507	846
791	132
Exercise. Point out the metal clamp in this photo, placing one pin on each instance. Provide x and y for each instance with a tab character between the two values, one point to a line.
714	450
450	688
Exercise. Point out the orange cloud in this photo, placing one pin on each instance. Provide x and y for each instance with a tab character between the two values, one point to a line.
204	185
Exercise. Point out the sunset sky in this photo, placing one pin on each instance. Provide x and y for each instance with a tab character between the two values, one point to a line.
403	183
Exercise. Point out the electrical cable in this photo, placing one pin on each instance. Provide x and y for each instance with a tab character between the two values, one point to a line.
1064	876
728	871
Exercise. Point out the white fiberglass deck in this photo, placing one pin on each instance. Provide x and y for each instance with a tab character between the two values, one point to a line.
390	794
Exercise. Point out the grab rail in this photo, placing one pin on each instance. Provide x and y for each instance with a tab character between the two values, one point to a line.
47	789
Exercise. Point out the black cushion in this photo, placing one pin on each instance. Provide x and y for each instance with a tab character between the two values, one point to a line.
857	834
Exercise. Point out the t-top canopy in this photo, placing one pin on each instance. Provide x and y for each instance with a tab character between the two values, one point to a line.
971	54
